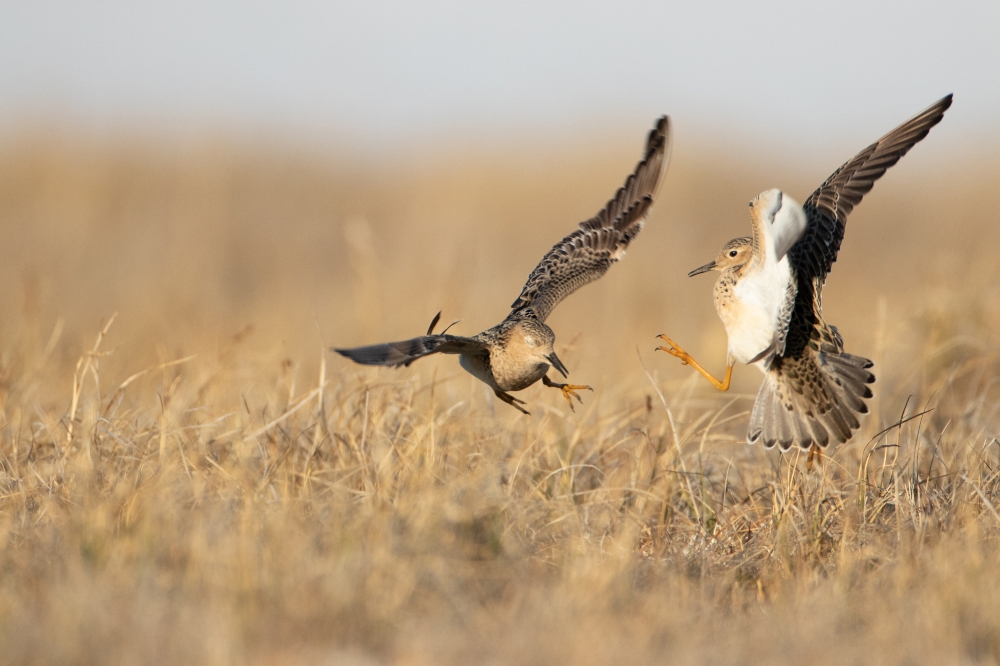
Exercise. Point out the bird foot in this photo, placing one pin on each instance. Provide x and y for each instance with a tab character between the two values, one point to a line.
569	390
815	454
512	401
674	349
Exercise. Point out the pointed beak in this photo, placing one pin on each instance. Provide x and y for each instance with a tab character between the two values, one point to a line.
702	269
557	364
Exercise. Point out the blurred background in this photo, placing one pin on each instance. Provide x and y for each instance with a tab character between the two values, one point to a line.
336	173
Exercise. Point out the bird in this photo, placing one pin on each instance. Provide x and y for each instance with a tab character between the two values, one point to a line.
519	351
769	298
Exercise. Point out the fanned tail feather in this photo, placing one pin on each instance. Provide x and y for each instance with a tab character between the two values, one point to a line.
811	401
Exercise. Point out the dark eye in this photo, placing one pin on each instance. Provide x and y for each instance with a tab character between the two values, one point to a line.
732	253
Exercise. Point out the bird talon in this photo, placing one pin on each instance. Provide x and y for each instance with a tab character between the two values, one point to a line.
569	391
672	347
675	351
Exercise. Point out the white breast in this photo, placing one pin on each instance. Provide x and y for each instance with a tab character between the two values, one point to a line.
751	316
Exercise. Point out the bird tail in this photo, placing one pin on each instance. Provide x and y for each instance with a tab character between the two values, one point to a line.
406	352
811	400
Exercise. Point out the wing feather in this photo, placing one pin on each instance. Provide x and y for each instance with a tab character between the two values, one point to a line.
587	253
406	352
826	211
828	207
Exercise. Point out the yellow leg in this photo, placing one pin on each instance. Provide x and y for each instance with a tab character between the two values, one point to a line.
567	390
815	453
674	349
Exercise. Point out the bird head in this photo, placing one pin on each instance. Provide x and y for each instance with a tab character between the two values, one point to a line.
735	253
538	342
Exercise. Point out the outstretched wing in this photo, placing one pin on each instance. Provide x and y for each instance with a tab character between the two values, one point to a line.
587	253
406	352
826	212
828	207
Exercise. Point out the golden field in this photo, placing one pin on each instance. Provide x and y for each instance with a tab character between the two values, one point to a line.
194	480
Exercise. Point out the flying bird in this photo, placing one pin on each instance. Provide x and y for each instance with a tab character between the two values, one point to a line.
519	351
769	298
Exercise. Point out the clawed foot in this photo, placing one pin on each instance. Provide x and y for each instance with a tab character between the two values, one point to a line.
569	391
674	349
512	401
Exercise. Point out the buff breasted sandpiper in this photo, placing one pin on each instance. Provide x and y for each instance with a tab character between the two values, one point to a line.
769	298
518	351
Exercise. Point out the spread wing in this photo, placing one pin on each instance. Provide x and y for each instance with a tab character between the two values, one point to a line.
828	207
406	352
587	253
826	212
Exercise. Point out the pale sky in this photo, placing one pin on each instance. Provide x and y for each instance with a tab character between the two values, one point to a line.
376	73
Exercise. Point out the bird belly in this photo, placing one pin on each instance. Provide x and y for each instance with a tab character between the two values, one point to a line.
500	374
479	367
751	314
521	376
749	328
513	372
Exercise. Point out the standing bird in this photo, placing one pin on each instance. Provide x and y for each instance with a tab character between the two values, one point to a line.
518	351
769	298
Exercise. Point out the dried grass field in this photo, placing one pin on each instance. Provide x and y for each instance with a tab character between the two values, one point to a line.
193	480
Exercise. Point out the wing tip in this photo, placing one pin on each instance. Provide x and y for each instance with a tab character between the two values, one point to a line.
934	113
357	355
660	140
623	216
658	135
656	156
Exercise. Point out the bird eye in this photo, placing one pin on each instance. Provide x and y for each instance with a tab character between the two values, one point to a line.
530	341
732	253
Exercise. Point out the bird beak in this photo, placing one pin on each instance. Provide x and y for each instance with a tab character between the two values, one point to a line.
702	269
557	364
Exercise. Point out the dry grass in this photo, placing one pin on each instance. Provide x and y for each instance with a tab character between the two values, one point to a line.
196	482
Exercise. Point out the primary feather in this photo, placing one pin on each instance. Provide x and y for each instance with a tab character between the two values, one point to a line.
406	352
813	389
587	253
519	351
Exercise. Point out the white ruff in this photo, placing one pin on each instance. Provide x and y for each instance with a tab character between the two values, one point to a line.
751	318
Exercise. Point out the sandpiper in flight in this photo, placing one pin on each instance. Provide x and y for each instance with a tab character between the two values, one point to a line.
518	351
769	298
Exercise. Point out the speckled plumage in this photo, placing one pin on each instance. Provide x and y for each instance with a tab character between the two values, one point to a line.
518	351
587	253
813	390
509	365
